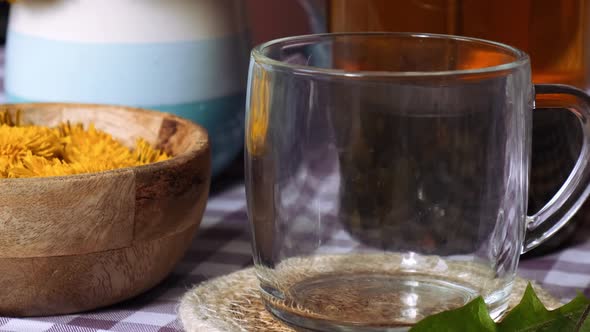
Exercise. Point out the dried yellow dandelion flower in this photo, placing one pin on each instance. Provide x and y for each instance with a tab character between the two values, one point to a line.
145	154
41	141
36	151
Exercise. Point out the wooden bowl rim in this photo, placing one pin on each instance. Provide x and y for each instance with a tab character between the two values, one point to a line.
197	148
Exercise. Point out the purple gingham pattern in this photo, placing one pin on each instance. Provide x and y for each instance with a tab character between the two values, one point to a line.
564	272
222	246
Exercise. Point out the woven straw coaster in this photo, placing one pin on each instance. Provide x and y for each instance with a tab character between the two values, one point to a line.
232	303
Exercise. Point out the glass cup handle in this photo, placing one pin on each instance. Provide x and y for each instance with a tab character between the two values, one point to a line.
572	194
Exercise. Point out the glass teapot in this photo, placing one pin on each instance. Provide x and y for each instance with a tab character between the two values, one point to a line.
554	33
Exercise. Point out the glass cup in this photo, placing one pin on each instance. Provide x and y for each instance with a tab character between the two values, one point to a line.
387	175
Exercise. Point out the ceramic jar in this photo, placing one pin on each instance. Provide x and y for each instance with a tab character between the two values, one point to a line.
186	57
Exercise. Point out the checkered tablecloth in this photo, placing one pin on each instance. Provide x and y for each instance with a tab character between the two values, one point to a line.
222	246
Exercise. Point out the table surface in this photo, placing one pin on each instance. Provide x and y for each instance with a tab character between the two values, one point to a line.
222	246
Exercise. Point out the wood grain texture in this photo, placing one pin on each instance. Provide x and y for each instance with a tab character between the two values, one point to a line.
74	243
66	215
66	284
175	189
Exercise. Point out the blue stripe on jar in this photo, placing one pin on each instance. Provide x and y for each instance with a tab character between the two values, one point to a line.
128	74
222	117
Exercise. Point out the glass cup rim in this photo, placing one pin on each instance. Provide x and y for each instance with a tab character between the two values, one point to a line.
257	55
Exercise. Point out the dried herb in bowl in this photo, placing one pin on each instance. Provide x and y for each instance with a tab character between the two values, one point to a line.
37	151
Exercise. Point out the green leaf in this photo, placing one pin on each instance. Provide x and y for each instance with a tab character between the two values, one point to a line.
473	316
529	315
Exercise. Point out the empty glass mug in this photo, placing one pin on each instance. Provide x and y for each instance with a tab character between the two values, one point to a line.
387	175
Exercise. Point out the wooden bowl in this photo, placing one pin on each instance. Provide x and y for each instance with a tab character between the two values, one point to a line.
78	242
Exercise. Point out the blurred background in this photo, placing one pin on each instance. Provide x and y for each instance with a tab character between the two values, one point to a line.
269	19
